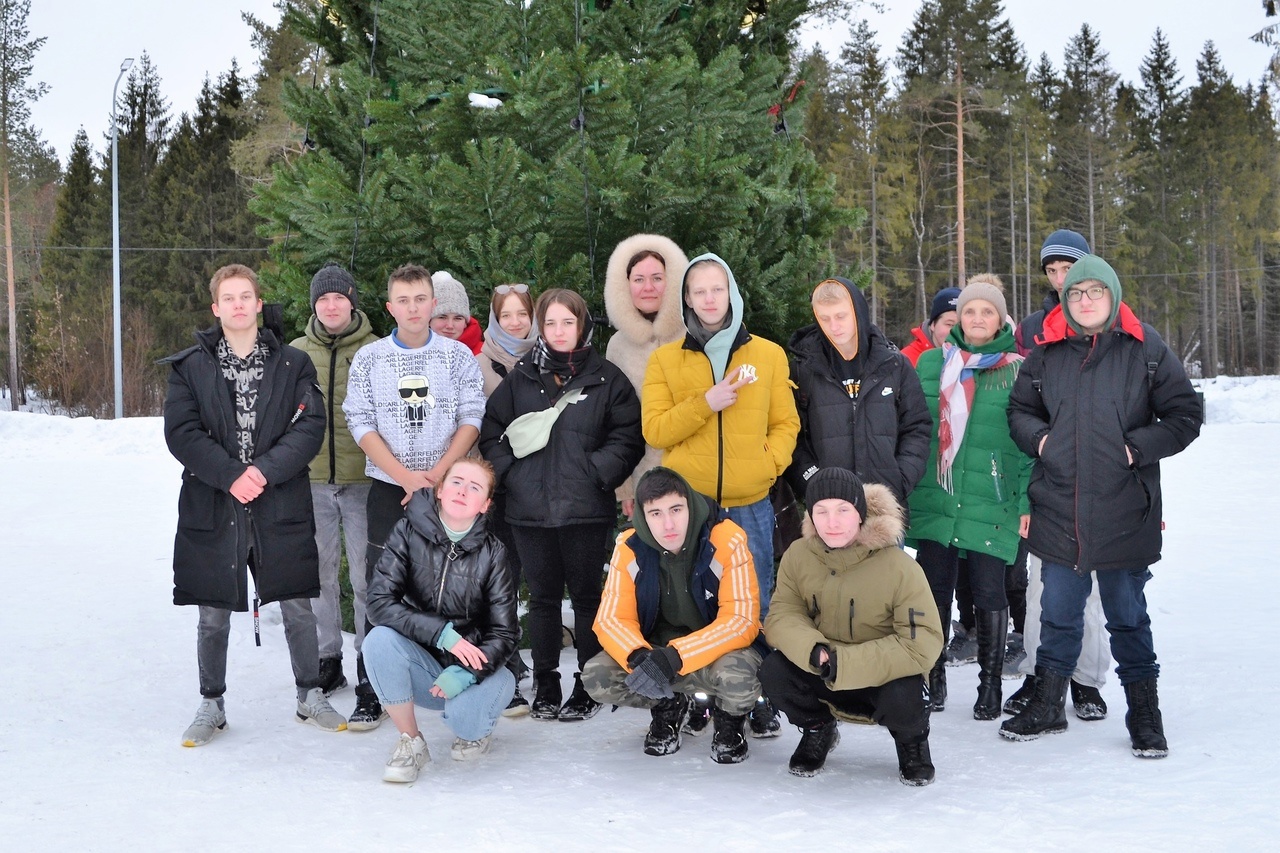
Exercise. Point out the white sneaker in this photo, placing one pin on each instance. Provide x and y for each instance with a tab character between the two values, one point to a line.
210	720
317	711
406	759
467	750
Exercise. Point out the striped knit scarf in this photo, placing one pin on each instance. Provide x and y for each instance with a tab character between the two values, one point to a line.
955	399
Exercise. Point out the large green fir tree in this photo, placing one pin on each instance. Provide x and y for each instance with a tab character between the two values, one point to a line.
521	141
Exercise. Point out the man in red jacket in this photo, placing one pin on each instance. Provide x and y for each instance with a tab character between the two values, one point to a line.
931	333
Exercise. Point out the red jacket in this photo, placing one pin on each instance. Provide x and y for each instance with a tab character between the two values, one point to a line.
920	341
472	336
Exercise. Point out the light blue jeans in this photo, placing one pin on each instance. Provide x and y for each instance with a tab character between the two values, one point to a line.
403	671
757	520
340	515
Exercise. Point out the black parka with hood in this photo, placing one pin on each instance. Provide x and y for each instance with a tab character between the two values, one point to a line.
882	432
215	531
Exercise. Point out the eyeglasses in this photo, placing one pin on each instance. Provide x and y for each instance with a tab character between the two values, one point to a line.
1094	293
504	289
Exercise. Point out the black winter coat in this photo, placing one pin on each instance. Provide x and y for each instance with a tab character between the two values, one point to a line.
1093	396
882	434
211	548
594	446
424	581
1032	326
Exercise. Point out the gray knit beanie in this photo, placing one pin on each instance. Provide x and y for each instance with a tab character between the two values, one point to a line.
334	279
451	296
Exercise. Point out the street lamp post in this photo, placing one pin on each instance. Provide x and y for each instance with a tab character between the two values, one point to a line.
115	246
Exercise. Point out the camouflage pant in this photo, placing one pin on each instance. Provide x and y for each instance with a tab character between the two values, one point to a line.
731	680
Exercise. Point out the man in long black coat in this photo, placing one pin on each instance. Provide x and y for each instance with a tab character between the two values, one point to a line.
244	417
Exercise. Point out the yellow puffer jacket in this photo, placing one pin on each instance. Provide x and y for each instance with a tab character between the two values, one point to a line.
734	455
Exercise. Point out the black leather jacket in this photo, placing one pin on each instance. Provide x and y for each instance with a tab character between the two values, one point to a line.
424	581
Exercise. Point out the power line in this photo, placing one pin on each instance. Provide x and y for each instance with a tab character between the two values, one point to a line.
139	249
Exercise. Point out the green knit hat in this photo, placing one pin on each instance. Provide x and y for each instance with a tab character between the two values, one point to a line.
1092	268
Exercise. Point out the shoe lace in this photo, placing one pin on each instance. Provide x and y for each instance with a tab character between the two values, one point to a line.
404	750
1142	714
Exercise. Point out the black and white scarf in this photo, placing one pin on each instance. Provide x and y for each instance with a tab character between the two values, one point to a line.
244	377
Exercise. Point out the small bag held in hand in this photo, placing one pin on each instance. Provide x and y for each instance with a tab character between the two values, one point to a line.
530	432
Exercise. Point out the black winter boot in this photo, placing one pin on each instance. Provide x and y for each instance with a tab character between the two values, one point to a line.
1015	703
1087	701
816	744
993	631
729	742
915	765
1045	713
938	684
764	719
368	713
546	696
579	705
699	714
663	737
331	678
1145	724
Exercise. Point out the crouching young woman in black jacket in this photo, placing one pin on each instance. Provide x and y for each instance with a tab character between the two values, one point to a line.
444	610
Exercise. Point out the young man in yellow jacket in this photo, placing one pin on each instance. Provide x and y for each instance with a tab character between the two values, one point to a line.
719	405
679	614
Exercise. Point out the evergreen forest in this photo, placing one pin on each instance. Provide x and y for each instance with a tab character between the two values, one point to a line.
521	141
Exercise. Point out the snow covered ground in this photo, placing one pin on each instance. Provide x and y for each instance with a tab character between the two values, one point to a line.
99	682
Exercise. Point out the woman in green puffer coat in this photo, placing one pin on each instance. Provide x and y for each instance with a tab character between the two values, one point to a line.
972	499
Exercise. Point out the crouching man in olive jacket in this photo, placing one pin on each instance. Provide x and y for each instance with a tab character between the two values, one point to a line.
854	626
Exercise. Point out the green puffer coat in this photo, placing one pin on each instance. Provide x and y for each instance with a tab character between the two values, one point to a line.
990	473
869	602
340	459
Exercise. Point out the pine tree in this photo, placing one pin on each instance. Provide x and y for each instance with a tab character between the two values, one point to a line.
615	118
1157	237
71	346
1089	157
17	92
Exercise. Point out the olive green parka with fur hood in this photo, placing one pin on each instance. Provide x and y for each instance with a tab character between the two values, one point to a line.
868	602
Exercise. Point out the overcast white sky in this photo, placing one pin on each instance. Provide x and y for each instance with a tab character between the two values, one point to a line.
87	39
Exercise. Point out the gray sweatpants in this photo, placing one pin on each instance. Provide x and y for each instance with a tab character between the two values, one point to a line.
731	679
1095	651
340	519
214	629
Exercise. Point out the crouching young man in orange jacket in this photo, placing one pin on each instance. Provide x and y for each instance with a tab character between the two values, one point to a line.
680	611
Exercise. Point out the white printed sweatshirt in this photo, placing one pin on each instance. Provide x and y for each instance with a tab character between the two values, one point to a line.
415	399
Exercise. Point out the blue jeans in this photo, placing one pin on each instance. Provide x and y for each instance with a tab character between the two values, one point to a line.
402	671
757	520
1123	603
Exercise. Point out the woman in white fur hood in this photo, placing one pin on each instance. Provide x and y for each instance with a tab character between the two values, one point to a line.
642	300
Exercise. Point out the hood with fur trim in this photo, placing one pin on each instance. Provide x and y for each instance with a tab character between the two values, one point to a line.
883	526
631	325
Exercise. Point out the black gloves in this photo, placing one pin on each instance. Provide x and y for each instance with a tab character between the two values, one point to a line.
826	671
652	671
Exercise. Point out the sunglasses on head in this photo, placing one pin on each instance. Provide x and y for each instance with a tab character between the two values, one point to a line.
504	289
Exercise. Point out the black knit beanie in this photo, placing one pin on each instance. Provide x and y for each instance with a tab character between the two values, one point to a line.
334	279
839	483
